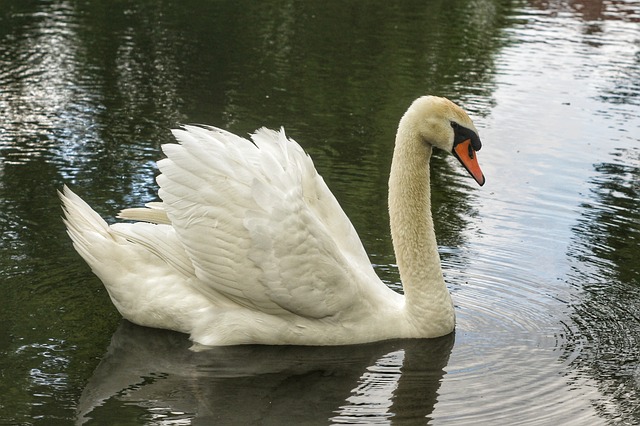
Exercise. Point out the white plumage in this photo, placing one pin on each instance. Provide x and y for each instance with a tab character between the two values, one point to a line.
249	245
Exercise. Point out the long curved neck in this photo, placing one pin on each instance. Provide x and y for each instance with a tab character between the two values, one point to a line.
414	239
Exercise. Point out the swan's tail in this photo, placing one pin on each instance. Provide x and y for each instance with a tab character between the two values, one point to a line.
142	265
85	227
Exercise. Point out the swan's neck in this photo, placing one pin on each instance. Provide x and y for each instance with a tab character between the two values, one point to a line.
414	239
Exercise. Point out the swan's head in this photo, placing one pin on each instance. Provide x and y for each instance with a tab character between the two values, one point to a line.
442	124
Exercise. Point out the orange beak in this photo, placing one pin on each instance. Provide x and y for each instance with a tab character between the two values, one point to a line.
465	153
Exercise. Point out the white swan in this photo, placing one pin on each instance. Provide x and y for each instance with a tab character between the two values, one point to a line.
249	245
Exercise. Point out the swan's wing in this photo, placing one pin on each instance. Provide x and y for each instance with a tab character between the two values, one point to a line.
259	224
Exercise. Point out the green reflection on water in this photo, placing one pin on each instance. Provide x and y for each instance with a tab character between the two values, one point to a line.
606	250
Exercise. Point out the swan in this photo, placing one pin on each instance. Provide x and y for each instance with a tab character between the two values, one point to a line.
249	246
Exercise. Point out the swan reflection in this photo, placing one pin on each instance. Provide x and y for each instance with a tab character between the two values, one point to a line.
151	376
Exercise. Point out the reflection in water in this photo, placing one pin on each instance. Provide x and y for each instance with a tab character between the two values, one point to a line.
154	374
607	316
568	128
42	99
569	226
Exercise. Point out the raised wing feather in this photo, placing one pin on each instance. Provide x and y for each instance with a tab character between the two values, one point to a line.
259	224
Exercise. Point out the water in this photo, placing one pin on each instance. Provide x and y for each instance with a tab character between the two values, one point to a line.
541	261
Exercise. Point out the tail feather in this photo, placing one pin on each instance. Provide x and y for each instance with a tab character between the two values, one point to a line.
141	265
83	224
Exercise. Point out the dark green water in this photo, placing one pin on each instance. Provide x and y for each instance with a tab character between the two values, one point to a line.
542	261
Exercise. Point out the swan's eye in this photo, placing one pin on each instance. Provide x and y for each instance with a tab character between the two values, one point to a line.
462	134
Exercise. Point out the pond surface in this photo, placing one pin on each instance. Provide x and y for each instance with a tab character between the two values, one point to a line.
542	261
